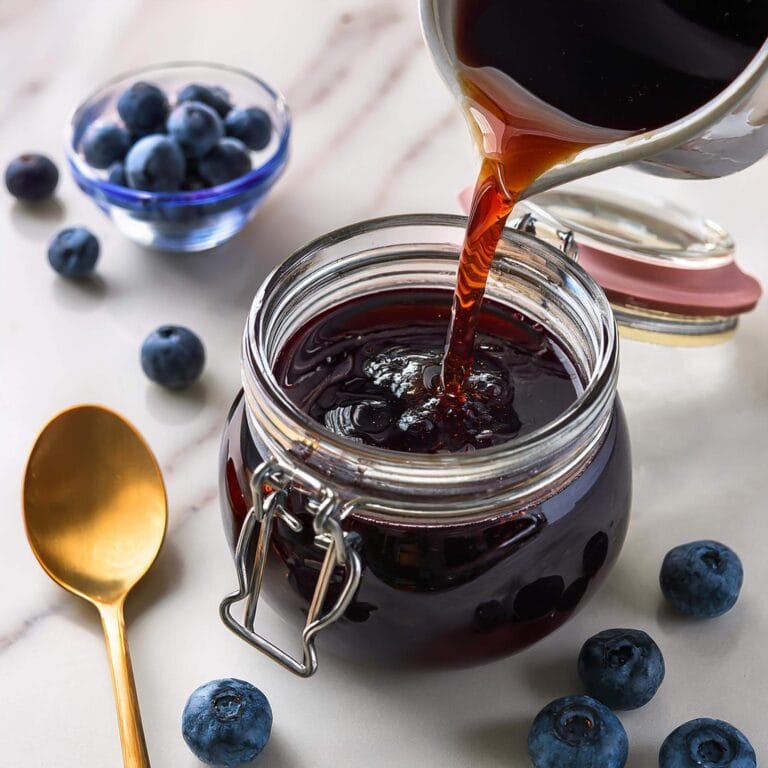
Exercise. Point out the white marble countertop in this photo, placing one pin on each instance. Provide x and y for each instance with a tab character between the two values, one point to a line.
375	133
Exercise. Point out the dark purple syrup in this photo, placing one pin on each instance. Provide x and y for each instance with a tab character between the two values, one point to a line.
625	64
370	370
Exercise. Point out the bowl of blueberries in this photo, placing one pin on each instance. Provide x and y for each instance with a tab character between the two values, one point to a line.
180	156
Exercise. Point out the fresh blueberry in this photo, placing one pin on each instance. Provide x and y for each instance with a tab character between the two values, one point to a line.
31	177
173	356
144	108
105	143
213	95
226	722
252	126
195	127
578	732
623	668
116	174
227	161
156	164
702	579
74	252
707	743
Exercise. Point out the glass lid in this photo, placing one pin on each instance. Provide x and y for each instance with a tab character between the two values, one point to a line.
671	276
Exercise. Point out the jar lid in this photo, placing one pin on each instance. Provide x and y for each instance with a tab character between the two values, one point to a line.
669	274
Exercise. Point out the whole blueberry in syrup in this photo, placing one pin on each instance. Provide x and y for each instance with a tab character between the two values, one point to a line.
144	108
31	177
226	722
577	732
73	252
623	668
707	743
173	356
702	579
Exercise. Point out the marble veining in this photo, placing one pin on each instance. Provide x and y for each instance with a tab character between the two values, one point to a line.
375	133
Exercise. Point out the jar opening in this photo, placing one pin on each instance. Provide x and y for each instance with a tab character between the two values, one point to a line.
421	252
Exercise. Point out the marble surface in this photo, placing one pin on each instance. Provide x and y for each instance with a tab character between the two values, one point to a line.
375	133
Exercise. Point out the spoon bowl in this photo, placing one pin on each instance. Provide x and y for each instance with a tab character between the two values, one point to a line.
96	513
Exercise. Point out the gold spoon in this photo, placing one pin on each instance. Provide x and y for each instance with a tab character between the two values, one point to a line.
96	513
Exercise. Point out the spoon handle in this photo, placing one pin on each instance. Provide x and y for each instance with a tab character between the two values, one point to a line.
128	715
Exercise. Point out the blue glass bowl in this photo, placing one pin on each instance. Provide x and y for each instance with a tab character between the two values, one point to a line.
183	221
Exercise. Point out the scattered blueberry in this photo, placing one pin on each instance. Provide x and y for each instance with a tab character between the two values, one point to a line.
214	96
707	743
227	161
104	144
195	127
577	731
226	722
74	252
172	356
623	668
702	579
155	164
116	174
31	177
144	108
252	126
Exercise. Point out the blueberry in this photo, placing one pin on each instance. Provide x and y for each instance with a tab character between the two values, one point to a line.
144	108
74	252
116	174
226	722
213	95
707	743
252	126
702	579
104	144
227	161
579	732
156	164
173	356
31	177
195	127
623	668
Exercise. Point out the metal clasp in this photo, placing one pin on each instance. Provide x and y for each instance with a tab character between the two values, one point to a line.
326	509
565	239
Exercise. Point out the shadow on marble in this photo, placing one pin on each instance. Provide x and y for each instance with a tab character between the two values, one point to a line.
503	742
177	406
643	755
37	221
232	272
82	295
160	581
552	677
277	754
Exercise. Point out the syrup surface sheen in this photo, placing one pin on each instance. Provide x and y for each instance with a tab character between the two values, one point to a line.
369	369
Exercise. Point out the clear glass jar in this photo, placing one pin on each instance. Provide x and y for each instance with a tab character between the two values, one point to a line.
425	558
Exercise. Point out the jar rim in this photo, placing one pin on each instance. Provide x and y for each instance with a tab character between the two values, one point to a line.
426	470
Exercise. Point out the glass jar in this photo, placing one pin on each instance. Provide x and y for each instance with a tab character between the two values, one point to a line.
423	558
